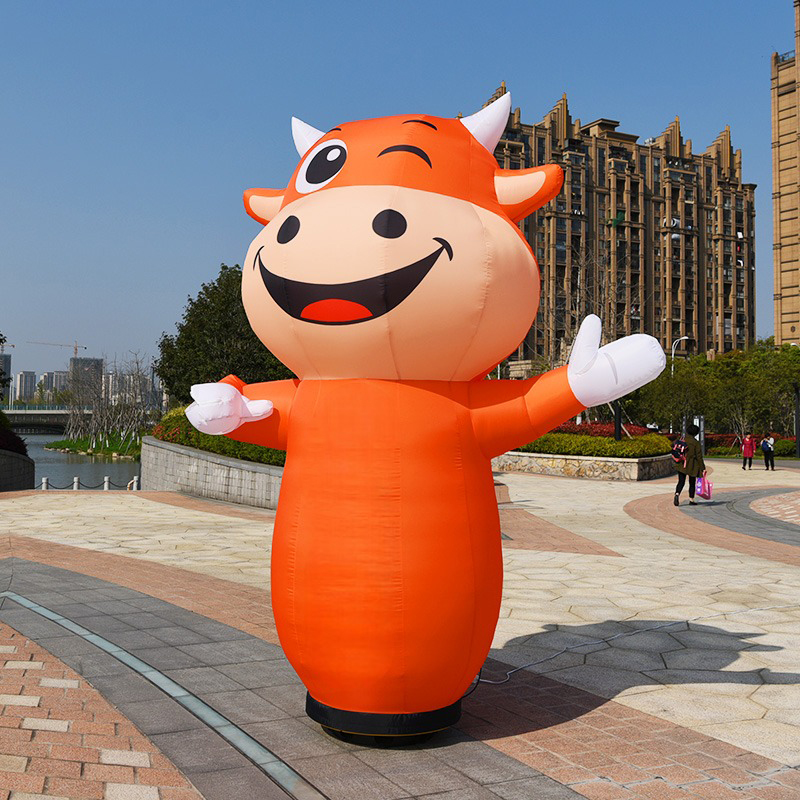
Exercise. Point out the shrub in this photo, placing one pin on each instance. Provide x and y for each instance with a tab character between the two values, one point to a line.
599	429
175	428
785	447
651	444
11	442
4	423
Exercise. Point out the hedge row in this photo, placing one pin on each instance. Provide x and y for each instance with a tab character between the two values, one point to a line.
784	448
568	444
175	428
599	429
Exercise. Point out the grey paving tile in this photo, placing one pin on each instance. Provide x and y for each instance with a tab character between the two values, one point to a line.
199	750
259	674
290	739
473	793
94	664
540	788
164	658
291	697
244	782
48	599
159	716
114	607
128	687
28	622
343	777
74	611
133	640
142	620
243	706
176	635
203	679
215	631
480	762
233	652
414	770
69	644
102	624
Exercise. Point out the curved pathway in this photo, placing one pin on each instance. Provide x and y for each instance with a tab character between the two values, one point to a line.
688	711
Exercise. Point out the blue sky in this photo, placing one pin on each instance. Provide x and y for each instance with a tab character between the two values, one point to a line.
129	130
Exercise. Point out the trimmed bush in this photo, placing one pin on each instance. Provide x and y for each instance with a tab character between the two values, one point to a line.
651	444
785	448
175	428
599	429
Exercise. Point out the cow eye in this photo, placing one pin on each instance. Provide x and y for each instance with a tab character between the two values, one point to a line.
321	165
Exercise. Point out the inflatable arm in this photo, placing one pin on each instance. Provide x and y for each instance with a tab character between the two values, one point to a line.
508	414
258	413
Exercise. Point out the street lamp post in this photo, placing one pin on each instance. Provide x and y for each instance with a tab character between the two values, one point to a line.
672	366
672	360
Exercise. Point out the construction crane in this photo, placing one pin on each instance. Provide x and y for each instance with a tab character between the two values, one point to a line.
75	346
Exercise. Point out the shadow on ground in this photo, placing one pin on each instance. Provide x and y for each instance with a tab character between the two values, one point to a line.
636	654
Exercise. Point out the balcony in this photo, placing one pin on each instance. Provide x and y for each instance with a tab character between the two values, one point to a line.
784	57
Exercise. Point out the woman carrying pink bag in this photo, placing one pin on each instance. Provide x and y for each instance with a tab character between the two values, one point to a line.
704	486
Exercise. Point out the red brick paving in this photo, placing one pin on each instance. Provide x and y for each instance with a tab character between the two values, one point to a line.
66	761
658	512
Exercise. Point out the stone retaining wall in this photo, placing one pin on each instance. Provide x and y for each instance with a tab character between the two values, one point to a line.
606	469
175	468
16	472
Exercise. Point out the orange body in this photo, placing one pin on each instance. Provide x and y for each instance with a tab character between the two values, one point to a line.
386	560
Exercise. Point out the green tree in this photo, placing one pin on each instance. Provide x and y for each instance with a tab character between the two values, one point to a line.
213	340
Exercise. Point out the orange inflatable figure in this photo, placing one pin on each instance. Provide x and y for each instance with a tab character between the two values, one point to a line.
391	277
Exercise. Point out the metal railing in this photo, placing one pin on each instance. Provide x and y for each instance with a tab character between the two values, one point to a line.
784	57
132	485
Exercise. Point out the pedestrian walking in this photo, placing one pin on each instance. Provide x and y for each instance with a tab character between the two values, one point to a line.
748	450
691	466
768	449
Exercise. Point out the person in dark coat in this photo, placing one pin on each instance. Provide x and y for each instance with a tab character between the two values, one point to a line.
692	468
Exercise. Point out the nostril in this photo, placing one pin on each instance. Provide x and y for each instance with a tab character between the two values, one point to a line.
389	223
289	229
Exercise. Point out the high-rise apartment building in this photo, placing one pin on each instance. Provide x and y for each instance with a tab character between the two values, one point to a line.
650	236
85	378
24	386
6	378
785	188
54	382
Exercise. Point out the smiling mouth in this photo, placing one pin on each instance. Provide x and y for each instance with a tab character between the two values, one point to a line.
347	303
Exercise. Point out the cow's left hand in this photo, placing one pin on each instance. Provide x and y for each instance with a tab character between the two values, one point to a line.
599	375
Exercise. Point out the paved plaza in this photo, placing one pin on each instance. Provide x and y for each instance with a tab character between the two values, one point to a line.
660	646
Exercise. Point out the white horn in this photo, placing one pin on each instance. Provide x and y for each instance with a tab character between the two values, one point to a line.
488	124
305	137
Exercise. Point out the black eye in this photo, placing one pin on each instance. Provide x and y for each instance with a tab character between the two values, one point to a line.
289	229
389	223
321	166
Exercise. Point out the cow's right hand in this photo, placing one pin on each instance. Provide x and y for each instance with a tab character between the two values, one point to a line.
221	408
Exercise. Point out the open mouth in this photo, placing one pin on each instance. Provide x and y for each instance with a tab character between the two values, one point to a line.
346	303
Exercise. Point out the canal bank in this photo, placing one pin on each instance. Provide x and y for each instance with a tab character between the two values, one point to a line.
62	468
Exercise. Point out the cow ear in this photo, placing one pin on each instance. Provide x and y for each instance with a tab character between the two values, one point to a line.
263	204
521	191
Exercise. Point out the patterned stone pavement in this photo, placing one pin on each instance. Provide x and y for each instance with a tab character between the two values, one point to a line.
783	507
706	708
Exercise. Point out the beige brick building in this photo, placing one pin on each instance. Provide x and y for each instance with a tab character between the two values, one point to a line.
785	178
651	236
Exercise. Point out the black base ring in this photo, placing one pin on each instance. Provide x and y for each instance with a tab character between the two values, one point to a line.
368	724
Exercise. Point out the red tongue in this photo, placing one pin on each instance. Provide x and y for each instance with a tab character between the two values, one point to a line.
335	310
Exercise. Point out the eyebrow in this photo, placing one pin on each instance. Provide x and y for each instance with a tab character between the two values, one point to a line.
407	148
421	122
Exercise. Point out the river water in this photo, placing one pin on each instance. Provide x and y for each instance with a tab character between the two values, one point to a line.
61	468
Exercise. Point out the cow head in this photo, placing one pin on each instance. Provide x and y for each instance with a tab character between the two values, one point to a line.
393	253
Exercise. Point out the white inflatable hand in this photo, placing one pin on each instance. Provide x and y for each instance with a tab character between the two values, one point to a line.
599	375
221	408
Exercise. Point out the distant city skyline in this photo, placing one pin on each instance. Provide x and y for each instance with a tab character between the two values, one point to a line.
131	147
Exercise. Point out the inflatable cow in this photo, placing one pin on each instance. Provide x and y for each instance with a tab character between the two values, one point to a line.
391	277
